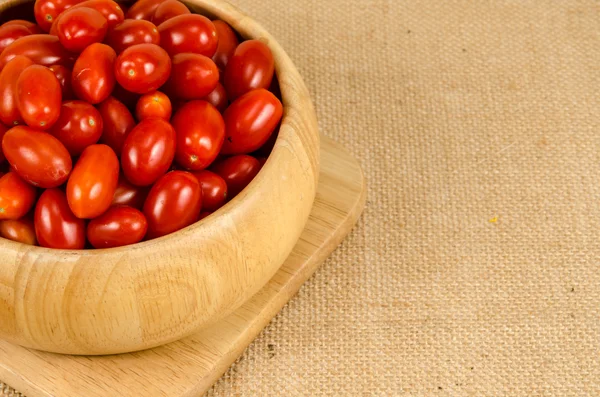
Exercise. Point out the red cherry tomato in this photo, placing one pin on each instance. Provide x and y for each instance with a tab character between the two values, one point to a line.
266	149
214	190
131	32
3	130
78	27
42	49
173	203
154	104
37	156
63	75
204	214
128	194
16	196
148	151
143	9
238	172
117	123
19	230
46	11
55	225
39	96
79	126
93	182
250	120
117	227
251	67
194	76
189	33
218	98
228	42
93	74
200	133
33	28
167	10
143	68
9	111
9	34
109	9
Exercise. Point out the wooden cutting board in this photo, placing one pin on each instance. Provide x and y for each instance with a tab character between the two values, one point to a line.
190	366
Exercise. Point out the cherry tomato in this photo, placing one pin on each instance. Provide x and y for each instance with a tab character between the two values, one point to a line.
37	156
9	111
110	10
117	227
77	28
154	104
214	190
204	214
55	225
33	28
200	133
194	76
251	67
237	171
46	11
189	33
143	9
128	194
42	49
218	98
143	68
63	75
93	182
250	120
3	130
93	74
79	126
19	230
148	151
38	97
16	196
228	42
117	123
131	32
173	203
169	9
9	34
266	149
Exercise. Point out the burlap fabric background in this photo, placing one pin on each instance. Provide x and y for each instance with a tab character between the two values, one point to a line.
475	268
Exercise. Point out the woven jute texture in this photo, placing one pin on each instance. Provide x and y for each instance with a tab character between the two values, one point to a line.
474	270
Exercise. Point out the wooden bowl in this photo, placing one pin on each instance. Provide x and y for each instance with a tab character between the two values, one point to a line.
136	297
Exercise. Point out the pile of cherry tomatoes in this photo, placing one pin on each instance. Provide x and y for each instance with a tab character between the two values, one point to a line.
122	125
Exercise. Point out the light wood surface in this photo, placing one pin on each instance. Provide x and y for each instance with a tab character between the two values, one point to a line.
188	367
148	294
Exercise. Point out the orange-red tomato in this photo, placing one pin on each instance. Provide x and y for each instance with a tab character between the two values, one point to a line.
9	111
117	227
250	120
167	10
189	33
10	33
110	10
154	104
55	225
46	11
16	196
131	32
200	133
3	130
19	230
148	151
237	171
78	27
93	182
128	194
173	203
33	28
37	156
218	98
194	76
214	190
251	67
93	74
42	49
228	42
143	9
38	97
142	68
63	75
117	123
79	126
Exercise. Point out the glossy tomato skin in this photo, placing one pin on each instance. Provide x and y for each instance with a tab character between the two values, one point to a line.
173	203
110	10
63	75
19	230
46	11
194	76
238	172
143	9
200	134
143	68
10	33
3	130
55	225
228	42
39	96
93	76
250	120
37	156
16	196
79	126
148	151
42	49
93	182
153	104
78	27
214	190
117	227
9	110
117	122
218	98
33	28
251	67
189	33
169	9
131	32
130	195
